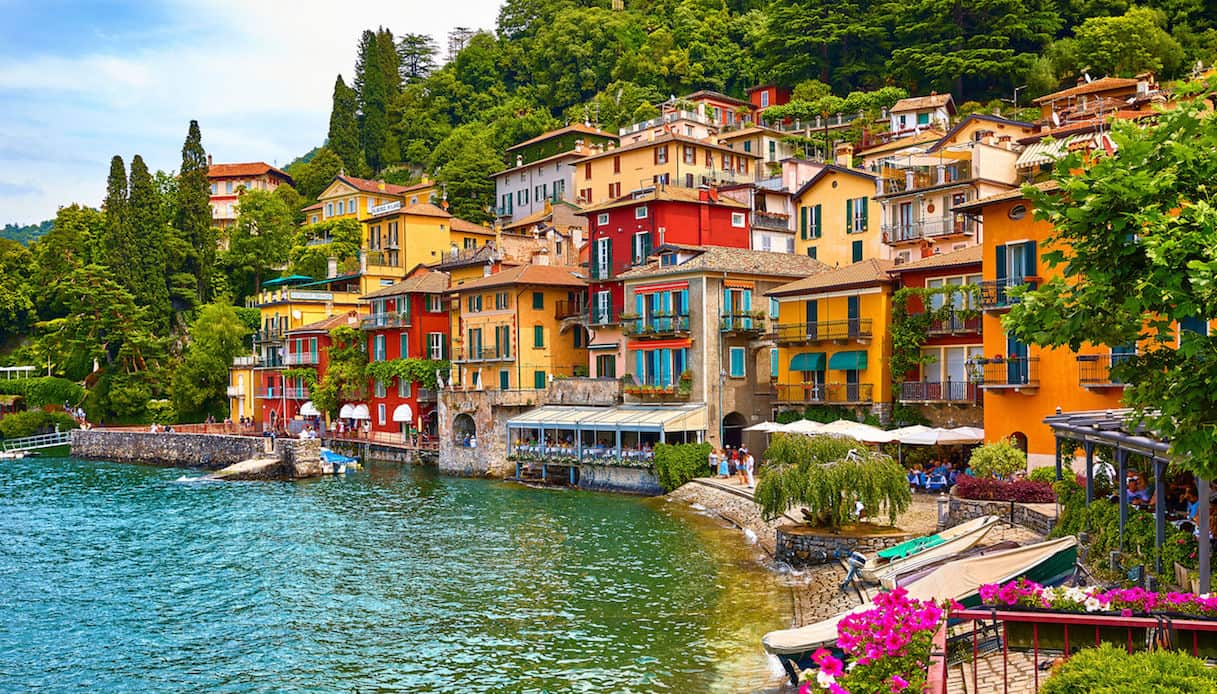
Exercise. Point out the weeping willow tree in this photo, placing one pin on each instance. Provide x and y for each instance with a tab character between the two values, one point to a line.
827	475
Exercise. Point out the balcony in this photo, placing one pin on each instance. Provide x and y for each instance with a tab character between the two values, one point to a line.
565	308
427	395
771	221
824	393
900	177
929	228
1013	373
995	294
293	393
269	335
248	361
302	359
957	392
386	320
955	325
743	323
821	331
657	327
235	391
1094	370
482	355
602	317
648	393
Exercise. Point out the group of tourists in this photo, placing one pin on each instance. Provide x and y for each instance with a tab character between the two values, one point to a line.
736	463
937	476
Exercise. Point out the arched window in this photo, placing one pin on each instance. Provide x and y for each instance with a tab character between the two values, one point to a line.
464	431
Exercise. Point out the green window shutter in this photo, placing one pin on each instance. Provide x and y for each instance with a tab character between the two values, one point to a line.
538	300
849	215
1031	258
538	380
803	223
857	251
608	249
504	380
865	218
811	252
999	253
817	221
593	261
538	336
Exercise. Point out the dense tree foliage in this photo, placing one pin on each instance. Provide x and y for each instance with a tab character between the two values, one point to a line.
26	233
343	138
194	211
258	241
216	336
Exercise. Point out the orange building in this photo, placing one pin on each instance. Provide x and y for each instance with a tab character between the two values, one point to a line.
1022	383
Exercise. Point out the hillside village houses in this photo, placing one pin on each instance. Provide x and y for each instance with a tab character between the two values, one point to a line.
691	276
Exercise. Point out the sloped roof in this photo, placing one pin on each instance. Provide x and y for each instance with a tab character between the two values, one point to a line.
531	274
327	324
917	103
570	154
664	194
1102	84
860	274
458	224
832	168
562	213
945	139
253	168
743	261
669	137
718	96
426	281
468	256
926	135
1016	194
370	186
314	206
972	255
572	128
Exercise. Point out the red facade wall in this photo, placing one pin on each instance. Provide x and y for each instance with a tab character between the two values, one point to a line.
919	279
421	324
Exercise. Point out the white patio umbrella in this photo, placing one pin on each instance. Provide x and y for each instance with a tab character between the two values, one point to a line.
903	434
857	430
968	434
767	427
801	426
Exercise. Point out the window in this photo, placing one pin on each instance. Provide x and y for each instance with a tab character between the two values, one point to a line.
432	303
855	215
341	208
313	219
689	154
748	146
602	258
640	212
923	119
538	299
606	366
403	388
661	155
585	194
577	338
773	150
502	341
602	218
405	345
641	247
380	413
378	348
811	222
587	170
435	345
764	99
538	336
737	219
856	250
773	363
228	187
475	303
617	163
774	308
500	301
735	367
538	380
811	252
380	388
329	209
614	190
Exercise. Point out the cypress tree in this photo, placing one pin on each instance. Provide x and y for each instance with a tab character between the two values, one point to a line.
113	247
194	210
147	237
376	83
344	129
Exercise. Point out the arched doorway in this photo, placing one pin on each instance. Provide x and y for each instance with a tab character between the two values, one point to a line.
464	431
431	423
1019	439
733	429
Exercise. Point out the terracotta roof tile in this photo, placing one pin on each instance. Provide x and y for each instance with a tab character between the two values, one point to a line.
669	137
370	186
972	255
664	194
717	96
426	281
743	261
458	224
860	274
350	318
253	168
531	274
1100	85
572	128
1016	194
916	103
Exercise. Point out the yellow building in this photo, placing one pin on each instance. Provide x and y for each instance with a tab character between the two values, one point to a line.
347	196
464	234
832	339
506	336
836	224
659	157
241	389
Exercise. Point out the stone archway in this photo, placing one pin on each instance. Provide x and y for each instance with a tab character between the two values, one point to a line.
733	429
463	429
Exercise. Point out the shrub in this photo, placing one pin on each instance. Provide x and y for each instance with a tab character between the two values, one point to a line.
1110	669
828	474
999	459
990	489
678	463
161	412
31	422
44	390
1046	474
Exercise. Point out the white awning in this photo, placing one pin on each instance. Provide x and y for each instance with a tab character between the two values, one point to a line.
360	412
623	417
403	413
308	409
347	411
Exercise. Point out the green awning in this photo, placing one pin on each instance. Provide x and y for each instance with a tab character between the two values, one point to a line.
807	361
291	279
848	361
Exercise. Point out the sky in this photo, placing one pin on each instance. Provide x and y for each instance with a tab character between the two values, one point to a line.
83	81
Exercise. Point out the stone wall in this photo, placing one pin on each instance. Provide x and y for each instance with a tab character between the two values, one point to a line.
951	416
1038	517
800	546
208	451
607	478
299	458
490	411
602	392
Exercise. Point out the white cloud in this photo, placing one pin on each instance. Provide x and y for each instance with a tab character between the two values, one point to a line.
257	76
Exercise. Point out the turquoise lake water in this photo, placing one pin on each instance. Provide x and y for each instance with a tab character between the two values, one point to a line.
130	578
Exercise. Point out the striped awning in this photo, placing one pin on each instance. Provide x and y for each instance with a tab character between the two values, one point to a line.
1049	150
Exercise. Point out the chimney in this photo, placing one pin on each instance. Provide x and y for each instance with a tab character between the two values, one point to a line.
845	155
579	146
444	202
519	160
380	185
331	265
209	160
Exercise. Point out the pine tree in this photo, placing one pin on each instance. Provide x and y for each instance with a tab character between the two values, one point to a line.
194	210
113	248
416	54
344	129
148	243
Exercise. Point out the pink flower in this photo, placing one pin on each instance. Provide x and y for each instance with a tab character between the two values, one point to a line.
805	688
835	688
899	684
827	662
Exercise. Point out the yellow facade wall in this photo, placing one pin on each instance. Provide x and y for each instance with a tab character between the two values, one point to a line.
834	244
637	169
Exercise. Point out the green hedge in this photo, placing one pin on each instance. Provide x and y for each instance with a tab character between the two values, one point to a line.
30	422
44	390
1110	669
678	463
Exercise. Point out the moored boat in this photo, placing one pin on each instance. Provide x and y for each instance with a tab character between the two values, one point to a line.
336	463
908	556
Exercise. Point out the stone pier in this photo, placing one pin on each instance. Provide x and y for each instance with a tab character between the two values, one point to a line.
259	458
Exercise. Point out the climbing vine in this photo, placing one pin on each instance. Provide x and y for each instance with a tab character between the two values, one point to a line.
306	374
421	371
344	378
911	330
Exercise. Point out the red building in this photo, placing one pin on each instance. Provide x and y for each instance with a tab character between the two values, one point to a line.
623	232
285	398
944	378
763	96
408	320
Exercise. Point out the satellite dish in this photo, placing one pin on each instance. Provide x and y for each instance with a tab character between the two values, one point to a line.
1056	120
1087	76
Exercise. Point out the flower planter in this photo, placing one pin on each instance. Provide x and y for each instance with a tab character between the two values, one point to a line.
1022	635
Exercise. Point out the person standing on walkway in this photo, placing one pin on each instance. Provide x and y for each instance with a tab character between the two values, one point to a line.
749	468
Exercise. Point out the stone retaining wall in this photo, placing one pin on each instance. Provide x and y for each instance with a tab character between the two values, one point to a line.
1038	517
631	480
800	546
207	451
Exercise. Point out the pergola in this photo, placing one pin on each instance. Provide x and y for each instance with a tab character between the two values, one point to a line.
1114	428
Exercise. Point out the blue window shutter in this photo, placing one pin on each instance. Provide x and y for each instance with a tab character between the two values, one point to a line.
640	367
665	366
747	303
773	362
999	253
1029	249
639	304
812	311
684	302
